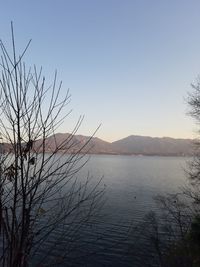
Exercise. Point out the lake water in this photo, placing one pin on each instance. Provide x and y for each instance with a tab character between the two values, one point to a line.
131	183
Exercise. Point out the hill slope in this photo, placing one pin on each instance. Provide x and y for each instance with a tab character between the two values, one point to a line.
131	145
153	146
72	144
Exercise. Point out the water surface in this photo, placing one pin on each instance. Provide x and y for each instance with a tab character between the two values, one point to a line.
131	183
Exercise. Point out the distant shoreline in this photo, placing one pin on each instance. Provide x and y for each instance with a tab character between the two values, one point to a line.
132	145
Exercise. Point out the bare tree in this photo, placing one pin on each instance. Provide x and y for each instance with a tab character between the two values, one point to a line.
42	202
162	237
171	234
178	243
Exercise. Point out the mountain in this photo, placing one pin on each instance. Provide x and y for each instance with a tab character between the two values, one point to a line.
131	145
146	145
74	143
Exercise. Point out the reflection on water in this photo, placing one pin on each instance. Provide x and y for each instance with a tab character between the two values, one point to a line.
131	183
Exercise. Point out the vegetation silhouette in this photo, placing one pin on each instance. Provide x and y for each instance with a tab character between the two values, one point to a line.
172	234
43	204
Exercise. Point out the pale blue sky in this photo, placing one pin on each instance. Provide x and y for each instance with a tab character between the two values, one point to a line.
128	63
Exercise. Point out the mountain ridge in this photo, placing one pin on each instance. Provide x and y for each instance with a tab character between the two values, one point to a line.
147	145
130	145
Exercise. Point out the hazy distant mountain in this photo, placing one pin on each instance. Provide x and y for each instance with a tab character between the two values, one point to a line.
146	145
133	144
71	144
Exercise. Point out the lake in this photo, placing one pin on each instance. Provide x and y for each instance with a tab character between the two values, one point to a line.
131	183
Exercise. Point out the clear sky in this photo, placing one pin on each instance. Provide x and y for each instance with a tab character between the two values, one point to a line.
128	63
